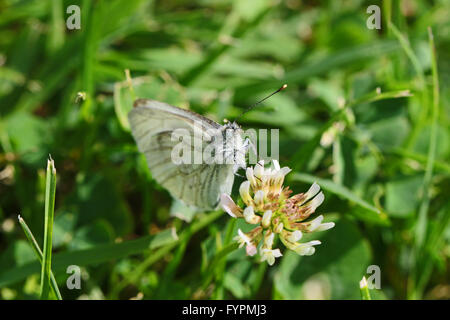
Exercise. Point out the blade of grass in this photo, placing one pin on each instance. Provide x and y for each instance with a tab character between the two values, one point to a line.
422	219
57	34
209	273
92	256
258	279
50	191
170	270
404	43
89	50
435	240
442	166
365	294
220	270
387	14
38	252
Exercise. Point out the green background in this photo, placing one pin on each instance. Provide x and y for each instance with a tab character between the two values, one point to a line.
385	175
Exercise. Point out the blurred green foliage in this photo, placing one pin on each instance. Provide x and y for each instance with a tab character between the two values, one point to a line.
64	92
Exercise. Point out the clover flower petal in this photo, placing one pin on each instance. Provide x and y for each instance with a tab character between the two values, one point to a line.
325	226
266	219
259	169
316	201
270	255
306	249
259	199
279	228
250	176
293	236
250	216
229	206
251	250
312	191
242	239
314	224
244	191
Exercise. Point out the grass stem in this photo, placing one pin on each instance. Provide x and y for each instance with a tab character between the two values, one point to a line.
365	294
50	191
38	252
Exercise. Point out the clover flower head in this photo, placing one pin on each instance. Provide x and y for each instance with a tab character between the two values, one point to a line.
275	213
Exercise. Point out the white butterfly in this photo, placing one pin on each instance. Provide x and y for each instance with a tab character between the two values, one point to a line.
154	126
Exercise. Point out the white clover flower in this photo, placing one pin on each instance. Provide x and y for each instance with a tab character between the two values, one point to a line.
244	191
250	176
267	253
306	249
270	255
251	250
273	210
259	169
268	239
279	228
266	219
242	239
259	199
325	226
292	236
250	216
229	206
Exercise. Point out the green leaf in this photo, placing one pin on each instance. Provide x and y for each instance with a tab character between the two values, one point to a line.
334	270
402	196
422	143
328	91
343	155
63	228
97	197
29	135
89	236
232	283
16	254
390	132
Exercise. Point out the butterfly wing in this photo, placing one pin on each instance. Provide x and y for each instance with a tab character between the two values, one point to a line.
200	185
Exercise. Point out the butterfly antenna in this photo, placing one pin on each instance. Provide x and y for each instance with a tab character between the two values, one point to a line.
260	101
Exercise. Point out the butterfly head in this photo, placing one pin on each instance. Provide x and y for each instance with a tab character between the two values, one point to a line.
233	125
